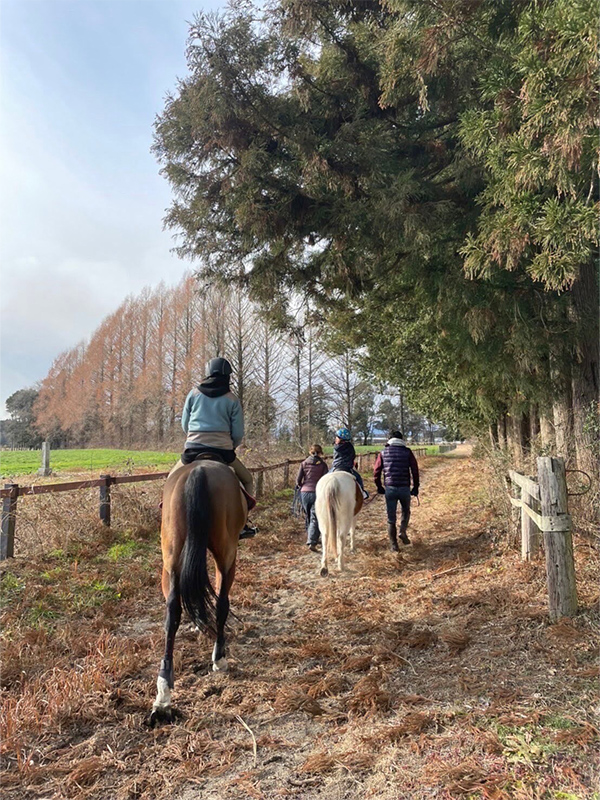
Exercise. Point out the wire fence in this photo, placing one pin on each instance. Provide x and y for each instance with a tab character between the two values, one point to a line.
49	520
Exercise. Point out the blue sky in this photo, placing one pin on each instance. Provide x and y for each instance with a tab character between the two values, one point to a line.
81	201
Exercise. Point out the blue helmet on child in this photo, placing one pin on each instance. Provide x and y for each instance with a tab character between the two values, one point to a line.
344	434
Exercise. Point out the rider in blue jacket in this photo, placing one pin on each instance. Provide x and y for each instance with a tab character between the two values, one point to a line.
213	422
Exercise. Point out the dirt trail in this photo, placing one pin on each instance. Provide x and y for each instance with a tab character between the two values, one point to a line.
430	673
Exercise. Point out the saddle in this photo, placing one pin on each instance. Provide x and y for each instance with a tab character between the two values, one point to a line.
211	455
196	454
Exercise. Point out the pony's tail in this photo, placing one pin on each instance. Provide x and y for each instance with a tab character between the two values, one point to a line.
332	520
197	593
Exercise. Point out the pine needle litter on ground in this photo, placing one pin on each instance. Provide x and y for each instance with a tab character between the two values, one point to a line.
434	673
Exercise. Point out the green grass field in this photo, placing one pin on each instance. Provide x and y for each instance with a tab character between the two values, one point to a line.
24	462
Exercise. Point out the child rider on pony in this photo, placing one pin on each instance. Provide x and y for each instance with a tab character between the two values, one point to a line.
344	455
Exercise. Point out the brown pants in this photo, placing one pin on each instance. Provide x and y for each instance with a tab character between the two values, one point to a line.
243	475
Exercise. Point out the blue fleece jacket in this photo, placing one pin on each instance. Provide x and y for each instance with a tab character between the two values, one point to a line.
213	421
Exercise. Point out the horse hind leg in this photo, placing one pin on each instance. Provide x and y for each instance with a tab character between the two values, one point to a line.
352	535
162	710
219	660
341	542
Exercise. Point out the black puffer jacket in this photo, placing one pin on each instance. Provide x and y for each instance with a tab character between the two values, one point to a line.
397	463
343	456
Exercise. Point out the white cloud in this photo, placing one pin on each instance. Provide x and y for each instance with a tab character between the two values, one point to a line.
81	202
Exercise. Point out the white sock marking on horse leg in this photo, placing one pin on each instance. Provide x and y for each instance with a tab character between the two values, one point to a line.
163	694
219	664
352	539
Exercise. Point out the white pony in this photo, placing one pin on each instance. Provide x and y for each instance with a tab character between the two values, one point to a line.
339	499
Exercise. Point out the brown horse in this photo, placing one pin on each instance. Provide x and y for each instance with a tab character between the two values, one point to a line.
203	509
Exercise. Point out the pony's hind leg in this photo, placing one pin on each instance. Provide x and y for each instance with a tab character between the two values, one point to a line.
218	655
341	543
162	710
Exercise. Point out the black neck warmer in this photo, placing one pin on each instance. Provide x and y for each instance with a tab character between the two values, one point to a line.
216	386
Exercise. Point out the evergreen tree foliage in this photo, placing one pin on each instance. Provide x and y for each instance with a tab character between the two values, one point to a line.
422	170
19	430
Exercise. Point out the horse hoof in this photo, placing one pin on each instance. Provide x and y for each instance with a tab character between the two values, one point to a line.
220	665
161	716
324	572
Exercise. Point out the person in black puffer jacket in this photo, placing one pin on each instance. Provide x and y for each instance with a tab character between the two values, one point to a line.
397	464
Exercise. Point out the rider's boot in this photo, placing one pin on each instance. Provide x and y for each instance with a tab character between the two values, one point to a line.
248	532
391	529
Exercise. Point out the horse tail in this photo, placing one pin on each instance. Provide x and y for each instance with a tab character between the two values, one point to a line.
333	501
197	593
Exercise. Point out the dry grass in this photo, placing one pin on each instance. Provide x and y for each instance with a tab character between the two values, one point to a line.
456	640
434	674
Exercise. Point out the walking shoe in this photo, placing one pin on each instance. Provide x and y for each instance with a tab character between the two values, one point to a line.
248	532
404	538
313	548
391	529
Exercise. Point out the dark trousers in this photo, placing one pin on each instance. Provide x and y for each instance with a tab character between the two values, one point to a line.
393	496
313	534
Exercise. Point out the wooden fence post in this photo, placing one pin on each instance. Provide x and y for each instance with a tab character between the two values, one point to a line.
260	483
105	500
286	474
529	533
515	516
45	468
9	514
558	541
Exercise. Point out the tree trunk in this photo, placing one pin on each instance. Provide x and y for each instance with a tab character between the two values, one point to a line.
534	427
503	433
402	414
525	439
547	440
513	430
585	368
563	428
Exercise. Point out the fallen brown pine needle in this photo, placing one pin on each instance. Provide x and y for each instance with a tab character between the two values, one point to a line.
455	639
290	698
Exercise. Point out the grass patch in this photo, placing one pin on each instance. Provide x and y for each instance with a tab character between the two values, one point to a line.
25	462
11	587
122	551
283	493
